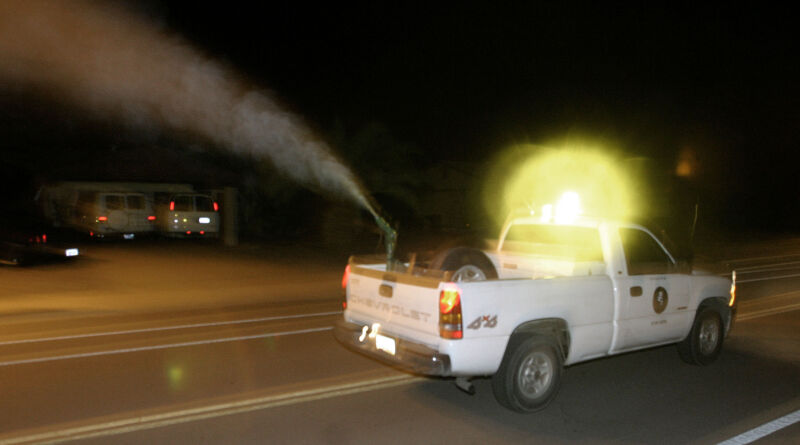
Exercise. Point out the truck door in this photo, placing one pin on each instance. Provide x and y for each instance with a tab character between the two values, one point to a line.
653	295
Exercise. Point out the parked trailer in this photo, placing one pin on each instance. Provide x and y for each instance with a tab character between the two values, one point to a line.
106	209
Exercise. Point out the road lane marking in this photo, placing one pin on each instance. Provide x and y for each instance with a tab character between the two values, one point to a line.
771	266
769	305
767	278
167	328
763	430
767	312
139	423
744	260
167	346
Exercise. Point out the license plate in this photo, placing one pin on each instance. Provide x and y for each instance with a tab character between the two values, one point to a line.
128	236
71	252
386	344
204	220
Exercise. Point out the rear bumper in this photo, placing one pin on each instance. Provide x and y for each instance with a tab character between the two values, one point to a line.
409	356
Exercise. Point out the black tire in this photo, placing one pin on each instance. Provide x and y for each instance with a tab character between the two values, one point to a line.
467	264
529	376
704	342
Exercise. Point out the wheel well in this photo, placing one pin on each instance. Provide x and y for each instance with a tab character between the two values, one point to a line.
720	304
555	328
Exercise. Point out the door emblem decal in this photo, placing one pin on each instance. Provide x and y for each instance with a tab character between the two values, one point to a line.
660	300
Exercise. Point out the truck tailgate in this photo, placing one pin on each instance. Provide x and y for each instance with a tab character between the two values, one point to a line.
403	303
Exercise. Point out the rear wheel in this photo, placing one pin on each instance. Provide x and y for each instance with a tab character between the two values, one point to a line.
466	263
529	376
704	342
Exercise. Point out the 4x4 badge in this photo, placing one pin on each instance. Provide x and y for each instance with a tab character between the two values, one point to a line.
486	321
660	300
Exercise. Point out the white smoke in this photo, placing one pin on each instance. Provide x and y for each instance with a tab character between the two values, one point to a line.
111	61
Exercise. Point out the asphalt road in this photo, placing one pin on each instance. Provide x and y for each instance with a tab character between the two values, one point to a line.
186	343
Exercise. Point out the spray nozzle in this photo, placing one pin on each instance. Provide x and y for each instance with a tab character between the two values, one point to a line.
389	238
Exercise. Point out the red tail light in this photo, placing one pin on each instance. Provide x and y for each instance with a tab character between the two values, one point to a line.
216	207
188	232
345	280
346	277
44	238
171	206
450	312
151	218
102	218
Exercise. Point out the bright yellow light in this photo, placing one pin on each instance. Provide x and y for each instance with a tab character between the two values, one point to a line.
732	300
533	176
568	208
547	212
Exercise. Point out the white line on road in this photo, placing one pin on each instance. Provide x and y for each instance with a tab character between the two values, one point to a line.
767	312
766	267
167	328
155	347
139	423
763	430
768	278
760	258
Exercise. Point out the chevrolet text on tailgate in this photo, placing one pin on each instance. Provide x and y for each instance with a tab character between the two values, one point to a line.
552	293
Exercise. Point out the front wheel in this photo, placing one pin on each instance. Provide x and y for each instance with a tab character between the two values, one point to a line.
704	342
529	376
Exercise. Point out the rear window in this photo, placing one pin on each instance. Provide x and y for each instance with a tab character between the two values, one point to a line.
203	204
569	242
115	202
183	203
135	202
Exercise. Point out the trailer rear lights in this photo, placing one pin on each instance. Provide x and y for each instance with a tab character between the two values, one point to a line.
102	218
345	280
346	277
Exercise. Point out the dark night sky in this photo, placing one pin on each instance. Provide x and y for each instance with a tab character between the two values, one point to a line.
462	82
476	75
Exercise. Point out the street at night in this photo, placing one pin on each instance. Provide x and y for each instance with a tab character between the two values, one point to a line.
376	223
168	361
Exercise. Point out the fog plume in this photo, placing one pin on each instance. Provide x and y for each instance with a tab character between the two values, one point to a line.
111	61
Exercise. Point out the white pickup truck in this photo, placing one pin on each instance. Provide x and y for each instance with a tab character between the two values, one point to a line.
549	295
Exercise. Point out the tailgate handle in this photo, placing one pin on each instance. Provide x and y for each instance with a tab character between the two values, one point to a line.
385	291
636	291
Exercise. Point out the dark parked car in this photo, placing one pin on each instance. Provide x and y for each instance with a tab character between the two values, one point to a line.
26	239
